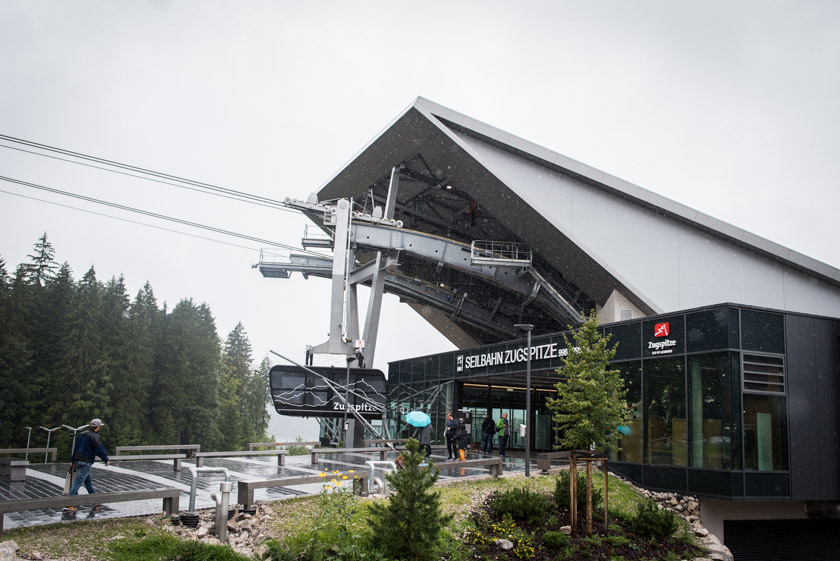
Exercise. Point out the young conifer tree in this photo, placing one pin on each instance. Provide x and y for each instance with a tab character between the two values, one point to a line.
590	403
408	525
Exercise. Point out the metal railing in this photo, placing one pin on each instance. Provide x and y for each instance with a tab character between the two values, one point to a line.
510	254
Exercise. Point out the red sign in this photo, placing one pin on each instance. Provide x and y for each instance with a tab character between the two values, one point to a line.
662	329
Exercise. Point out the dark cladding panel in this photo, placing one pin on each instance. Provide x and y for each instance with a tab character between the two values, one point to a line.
660	477
803	404
762	331
767	485
707	482
708	330
827	354
629	339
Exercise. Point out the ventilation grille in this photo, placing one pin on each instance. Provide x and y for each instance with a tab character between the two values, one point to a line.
764	374
783	540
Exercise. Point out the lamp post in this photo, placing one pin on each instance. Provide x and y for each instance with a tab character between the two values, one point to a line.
75	430
49	434
346	402
527	327
28	439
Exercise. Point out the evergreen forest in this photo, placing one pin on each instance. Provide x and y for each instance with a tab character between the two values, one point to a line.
72	350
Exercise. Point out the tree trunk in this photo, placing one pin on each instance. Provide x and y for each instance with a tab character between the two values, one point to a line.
573	492
588	498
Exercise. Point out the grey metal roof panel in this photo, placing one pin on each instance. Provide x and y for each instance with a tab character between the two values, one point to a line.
421	120
765	245
813	264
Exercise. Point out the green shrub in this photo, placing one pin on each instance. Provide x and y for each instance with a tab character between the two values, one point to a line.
652	522
337	533
561	492
520	504
556	540
618	541
298	450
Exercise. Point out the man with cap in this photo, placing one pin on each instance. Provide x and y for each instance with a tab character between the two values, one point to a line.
88	446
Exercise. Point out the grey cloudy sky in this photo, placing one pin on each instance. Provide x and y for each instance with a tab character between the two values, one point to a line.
727	107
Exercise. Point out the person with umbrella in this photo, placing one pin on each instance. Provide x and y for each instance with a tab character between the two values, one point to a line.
423	422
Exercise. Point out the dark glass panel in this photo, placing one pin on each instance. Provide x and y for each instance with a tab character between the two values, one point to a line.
765	433
633	472
767	485
708	482
734	329
631	431
708	330
660	477
737	409
629	339
762	331
711	412
665	412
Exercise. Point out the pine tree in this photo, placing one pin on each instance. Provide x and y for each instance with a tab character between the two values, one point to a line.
126	339
186	407
590	401
236	369
590	398
83	360
42	268
409	524
257	399
15	357
51	308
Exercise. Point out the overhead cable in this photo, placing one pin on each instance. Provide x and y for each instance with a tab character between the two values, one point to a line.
127	220
158	216
240	195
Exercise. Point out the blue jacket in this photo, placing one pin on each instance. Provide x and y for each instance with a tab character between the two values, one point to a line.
451	428
88	446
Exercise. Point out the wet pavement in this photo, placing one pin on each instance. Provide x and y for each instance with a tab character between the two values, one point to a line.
47	480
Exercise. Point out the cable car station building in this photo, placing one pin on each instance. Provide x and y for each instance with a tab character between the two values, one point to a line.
729	344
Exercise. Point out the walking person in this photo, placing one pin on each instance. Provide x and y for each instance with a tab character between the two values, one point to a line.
488	429
426	440
451	436
88	446
502	428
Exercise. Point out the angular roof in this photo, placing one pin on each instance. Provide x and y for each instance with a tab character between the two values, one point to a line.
601	239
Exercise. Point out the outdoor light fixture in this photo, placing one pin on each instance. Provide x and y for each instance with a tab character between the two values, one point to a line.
527	327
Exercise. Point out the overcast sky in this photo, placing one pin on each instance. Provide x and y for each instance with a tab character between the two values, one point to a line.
728	107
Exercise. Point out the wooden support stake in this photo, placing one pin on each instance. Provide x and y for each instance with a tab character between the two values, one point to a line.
606	497
588	498
573	493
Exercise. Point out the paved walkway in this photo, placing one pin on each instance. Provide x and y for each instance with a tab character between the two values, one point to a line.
47	480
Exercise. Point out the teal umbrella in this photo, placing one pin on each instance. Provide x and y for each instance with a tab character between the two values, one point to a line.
418	419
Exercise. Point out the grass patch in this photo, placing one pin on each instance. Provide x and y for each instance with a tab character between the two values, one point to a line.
83	540
169	548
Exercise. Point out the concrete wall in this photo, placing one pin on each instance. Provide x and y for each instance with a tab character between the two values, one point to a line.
714	511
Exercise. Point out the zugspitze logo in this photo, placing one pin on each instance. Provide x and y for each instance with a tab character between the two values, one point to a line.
661	329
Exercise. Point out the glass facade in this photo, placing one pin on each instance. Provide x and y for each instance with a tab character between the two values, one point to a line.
765	428
713	406
706	392
630	439
666	435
